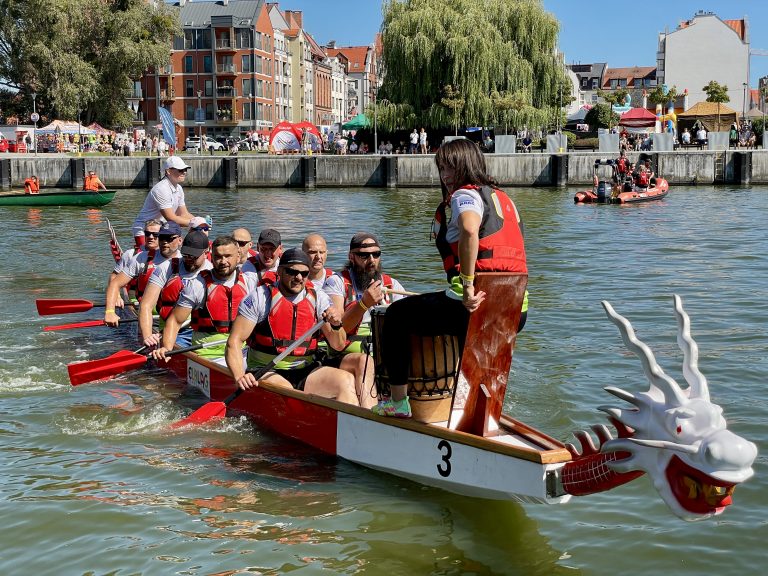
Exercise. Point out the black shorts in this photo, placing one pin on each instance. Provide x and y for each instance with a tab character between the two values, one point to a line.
298	376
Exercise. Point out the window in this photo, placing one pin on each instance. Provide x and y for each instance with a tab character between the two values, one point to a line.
188	65
178	42
243	36
247	111
258	42
207	64
247	67
189	90
203	39
613	83
259	92
209	111
258	65
190	115
209	88
247	88
622	82
189	39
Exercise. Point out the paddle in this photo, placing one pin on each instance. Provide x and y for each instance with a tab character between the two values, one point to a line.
88	324
123	361
213	410
51	306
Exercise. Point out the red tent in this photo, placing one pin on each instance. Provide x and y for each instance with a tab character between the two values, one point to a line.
285	137
638	118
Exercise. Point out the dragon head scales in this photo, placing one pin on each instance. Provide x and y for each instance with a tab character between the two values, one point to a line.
677	435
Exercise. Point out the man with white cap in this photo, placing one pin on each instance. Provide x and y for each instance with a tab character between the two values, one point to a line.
165	200
166	283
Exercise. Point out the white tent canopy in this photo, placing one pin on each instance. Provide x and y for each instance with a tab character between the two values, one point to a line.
64	127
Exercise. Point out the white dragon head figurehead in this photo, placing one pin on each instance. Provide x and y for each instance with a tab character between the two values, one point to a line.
679	436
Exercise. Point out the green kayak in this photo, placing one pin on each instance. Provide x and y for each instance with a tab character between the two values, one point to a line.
57	198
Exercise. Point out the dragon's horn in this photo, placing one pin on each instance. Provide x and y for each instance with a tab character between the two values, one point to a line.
663	444
653	372
687	344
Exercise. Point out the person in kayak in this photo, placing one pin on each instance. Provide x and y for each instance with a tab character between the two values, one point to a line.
32	185
483	234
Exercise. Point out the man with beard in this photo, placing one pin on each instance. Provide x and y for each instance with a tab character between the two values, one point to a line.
167	282
272	317
141	266
212	298
315	247
358	287
267	257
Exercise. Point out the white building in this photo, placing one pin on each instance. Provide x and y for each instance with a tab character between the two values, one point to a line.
702	49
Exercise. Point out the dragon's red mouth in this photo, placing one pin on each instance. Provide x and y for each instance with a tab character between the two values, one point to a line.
695	491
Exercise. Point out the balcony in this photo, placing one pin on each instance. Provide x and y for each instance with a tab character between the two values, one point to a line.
168	95
166	70
226	92
227	117
226	69
138	119
225	45
135	94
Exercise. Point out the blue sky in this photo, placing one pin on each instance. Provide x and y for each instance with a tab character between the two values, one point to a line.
590	30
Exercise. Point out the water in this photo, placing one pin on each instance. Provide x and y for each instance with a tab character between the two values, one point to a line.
91	484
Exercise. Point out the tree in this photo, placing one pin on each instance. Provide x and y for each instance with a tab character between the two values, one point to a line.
717	92
601	116
613	98
455	103
82	55
663	95
478	47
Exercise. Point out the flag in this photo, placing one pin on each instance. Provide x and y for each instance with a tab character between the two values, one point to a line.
169	131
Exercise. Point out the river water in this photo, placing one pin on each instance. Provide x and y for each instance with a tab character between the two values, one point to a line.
91	484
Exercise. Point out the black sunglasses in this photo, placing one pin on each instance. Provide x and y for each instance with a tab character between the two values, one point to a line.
168	237
366	255
151	234
242	243
293	272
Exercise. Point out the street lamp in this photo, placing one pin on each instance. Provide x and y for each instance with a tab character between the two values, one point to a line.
199	123
35	118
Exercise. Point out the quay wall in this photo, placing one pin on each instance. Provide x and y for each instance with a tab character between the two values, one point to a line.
689	167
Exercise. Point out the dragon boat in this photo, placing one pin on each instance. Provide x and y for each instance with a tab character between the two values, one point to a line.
85	198
459	439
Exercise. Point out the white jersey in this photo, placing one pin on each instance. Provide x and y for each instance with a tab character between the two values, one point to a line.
162	195
256	306
193	294
134	264
462	200
162	273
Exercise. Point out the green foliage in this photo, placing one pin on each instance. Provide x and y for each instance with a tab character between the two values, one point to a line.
82	54
658	96
571	137
498	57
716	92
615	98
601	116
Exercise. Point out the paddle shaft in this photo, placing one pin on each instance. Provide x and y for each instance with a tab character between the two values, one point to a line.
86	324
401	292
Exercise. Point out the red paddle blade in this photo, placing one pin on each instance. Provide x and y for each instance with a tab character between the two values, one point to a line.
206	413
51	306
82	372
87	324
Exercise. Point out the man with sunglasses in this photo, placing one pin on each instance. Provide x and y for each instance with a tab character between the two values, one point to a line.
244	247
212	299
141	266
358	287
165	200
272	317
165	286
267	257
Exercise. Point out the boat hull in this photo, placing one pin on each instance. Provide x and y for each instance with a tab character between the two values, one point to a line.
59	198
656	193
519	464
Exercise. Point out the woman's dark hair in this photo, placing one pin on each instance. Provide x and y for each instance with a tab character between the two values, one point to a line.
467	162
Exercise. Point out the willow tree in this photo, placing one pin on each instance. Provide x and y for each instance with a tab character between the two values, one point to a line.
478	47
82	55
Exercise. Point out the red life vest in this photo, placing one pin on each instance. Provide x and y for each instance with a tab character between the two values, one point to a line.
220	304
328	274
501	248
139	283
285	322
31	186
642	179
621	165
266	277
169	295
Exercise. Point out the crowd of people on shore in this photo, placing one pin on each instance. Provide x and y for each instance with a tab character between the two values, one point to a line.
246	303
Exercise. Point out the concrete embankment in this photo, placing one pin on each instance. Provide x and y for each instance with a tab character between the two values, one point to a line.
530	170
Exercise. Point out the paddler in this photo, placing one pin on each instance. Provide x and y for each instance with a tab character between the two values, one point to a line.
31	185
140	265
484	233
359	286
272	317
316	248
212	298
165	200
267	256
92	182
166	283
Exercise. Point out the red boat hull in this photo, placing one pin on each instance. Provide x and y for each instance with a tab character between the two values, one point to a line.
659	191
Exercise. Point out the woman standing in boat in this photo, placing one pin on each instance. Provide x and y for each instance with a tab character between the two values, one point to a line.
483	233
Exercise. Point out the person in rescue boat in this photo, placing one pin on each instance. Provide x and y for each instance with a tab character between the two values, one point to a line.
212	299
31	185
359	286
165	285
273	317
92	182
140	265
316	248
265	260
484	233
165	200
